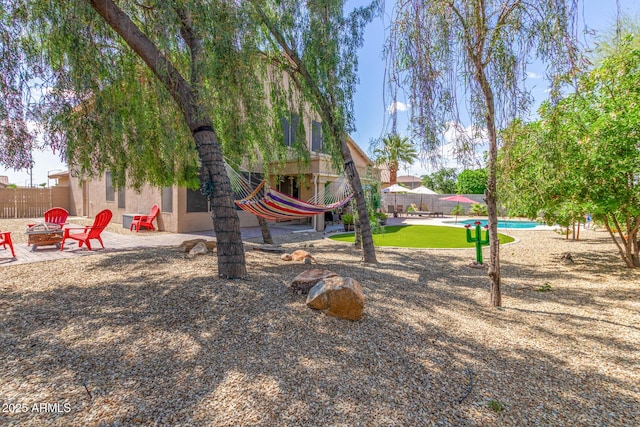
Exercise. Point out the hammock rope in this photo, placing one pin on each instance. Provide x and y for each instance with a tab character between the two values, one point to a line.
269	203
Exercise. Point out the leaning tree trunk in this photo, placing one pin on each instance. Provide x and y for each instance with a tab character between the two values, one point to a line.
628	247
326	112
266	232
214	178
368	250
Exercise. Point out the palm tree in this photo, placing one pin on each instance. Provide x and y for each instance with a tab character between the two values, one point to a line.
395	150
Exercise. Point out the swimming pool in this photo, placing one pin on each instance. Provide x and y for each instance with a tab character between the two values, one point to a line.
501	223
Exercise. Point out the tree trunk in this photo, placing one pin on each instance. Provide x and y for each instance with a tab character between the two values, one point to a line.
326	107
491	191
369	252
623	248
358	234
393	176
266	232
217	186
213	178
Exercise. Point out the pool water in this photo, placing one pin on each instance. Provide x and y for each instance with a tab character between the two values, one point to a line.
502	223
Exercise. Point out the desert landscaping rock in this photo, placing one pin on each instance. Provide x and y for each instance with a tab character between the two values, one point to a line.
188	245
298	255
308	279
200	248
338	296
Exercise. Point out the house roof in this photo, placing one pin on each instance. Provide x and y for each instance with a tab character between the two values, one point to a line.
409	178
60	174
355	147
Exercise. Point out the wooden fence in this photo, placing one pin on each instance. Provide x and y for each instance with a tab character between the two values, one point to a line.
31	202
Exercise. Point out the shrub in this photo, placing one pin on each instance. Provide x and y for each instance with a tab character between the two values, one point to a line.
457	210
347	218
478	209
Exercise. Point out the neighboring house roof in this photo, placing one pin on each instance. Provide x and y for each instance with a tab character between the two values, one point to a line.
410	181
60	174
4	181
408	178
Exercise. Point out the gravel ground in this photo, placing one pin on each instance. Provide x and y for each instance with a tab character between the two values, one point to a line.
155	338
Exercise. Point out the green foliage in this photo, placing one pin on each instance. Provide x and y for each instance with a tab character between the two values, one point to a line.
436	46
348	218
545	288
316	44
582	155
458	210
16	139
105	109
478	209
496	405
443	181
394	151
472	181
372	197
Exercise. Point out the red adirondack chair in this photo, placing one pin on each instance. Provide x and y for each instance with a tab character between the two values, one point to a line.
145	220
56	216
5	239
89	232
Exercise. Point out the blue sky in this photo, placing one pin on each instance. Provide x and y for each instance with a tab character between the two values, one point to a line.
370	106
371	109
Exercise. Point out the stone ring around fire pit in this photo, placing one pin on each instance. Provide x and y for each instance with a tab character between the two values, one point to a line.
44	233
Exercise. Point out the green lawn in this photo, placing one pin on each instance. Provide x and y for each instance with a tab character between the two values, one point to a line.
421	236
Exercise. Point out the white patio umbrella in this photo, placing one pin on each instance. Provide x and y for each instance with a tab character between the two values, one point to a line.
395	188
422	190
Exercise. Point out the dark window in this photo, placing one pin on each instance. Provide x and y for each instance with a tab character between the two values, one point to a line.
316	136
289	127
109	187
196	201
167	199
121	197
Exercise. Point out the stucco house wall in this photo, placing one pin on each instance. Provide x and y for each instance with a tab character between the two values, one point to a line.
88	197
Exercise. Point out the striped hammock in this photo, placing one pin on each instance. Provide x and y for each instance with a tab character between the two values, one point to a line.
270	204
276	205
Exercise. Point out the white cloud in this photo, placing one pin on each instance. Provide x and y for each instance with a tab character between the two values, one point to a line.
397	106
533	75
457	132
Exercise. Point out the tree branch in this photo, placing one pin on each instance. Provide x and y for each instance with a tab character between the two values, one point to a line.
161	67
296	63
193	42
504	15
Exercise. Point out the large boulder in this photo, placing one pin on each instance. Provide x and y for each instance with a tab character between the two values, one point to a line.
307	280
338	296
